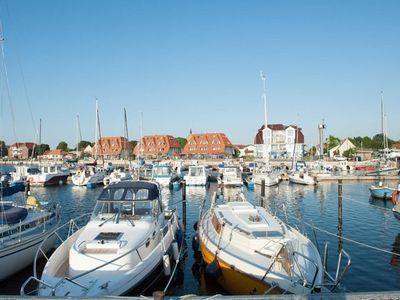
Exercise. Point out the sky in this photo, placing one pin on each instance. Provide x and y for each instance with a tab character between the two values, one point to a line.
195	65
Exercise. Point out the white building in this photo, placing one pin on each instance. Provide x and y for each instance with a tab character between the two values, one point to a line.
282	141
246	150
342	147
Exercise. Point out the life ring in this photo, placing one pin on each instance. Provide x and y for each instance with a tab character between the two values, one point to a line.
394	197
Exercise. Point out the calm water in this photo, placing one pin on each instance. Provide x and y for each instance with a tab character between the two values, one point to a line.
364	220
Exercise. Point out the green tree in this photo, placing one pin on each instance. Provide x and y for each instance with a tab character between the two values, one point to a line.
40	149
3	149
236	153
63	146
133	144
182	141
332	141
349	153
83	144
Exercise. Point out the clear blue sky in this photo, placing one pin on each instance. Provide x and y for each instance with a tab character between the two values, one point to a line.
195	65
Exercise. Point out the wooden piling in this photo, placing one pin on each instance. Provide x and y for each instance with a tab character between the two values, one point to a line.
263	188
184	204
340	215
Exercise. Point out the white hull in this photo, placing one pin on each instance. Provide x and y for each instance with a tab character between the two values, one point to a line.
18	252
249	238
124	241
192	180
21	255
163	181
305	180
82	180
270	180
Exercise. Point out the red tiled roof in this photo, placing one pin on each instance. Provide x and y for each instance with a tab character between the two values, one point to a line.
157	145
396	146
111	146
207	143
54	152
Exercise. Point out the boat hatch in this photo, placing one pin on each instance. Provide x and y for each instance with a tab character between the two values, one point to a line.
270	234
108	236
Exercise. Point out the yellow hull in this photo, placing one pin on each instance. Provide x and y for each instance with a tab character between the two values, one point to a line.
233	280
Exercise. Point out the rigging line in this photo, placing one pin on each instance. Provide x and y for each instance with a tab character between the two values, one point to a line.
348	239
7	84
22	73
366	204
345	238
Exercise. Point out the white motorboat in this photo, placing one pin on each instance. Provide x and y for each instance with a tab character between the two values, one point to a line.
249	251
231	176
117	176
127	238
22	229
301	177
196	175
42	175
89	176
163	174
263	172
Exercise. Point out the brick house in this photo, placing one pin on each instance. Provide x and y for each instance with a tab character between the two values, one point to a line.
21	150
114	147
282	141
208	144
158	145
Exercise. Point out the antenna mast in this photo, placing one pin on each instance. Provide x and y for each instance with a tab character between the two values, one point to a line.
264	95
321	128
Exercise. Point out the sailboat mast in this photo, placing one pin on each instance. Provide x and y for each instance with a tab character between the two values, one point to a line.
127	137
264	95
95	132
100	143
382	122
78	135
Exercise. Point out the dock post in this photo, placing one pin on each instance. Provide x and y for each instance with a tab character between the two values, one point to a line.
184	204
340	216
27	188
262	192
263	188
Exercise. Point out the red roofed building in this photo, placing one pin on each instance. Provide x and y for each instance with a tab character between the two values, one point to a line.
21	150
54	154
209	144
158	145
281	141
114	147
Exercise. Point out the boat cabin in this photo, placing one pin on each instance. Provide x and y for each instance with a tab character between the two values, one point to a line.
131	200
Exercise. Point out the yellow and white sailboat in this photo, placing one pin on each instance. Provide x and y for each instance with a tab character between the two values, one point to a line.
253	252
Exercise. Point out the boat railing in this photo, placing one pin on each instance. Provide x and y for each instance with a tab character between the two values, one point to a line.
303	277
74	278
334	282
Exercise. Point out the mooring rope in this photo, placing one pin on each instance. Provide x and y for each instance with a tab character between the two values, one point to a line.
351	240
367	204
176	264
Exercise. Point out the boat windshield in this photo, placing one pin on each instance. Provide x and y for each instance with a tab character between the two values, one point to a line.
133	210
231	171
196	171
161	171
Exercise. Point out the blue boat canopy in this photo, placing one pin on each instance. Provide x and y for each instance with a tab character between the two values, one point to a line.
130	191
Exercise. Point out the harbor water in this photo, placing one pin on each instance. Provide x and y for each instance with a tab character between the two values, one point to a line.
368	229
